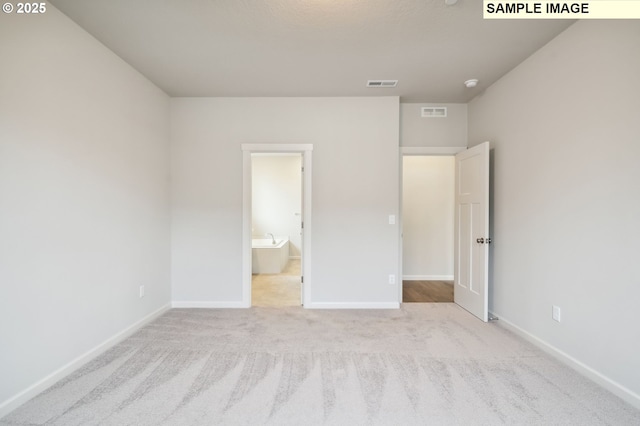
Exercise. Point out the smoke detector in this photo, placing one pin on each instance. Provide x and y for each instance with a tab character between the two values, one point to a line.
471	83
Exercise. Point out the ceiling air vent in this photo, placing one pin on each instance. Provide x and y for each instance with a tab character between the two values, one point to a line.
382	83
433	112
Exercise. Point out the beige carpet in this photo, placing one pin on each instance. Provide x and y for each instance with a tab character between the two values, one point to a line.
425	364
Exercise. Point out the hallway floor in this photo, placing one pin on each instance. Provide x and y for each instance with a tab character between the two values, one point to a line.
427	291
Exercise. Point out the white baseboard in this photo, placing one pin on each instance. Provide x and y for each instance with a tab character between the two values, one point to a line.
427	277
223	305
349	305
17	400
612	386
330	305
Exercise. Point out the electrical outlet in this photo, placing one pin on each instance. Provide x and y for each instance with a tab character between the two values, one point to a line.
392	279
555	313
141	291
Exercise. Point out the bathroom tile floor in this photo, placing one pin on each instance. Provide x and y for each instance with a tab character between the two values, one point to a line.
276	290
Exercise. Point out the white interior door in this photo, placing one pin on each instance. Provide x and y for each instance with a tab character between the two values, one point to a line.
472	230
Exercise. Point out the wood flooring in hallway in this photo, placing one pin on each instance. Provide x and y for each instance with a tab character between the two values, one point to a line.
427	291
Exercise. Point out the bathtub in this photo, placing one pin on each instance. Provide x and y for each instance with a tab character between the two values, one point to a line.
269	258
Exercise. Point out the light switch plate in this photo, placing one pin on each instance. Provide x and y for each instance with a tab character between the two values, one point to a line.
555	313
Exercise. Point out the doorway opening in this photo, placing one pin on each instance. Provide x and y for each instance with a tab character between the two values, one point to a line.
276	228
470	222
428	212
276	242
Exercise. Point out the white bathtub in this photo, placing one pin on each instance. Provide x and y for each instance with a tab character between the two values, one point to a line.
269	258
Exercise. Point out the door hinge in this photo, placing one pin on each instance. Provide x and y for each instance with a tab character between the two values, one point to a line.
302	224
302	169
302	279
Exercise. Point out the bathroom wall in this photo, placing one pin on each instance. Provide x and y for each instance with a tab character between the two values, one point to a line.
428	217
277	197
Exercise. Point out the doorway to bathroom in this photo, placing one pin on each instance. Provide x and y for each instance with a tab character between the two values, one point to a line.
276	227
276	224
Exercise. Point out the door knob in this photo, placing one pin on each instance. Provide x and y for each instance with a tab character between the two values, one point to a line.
480	240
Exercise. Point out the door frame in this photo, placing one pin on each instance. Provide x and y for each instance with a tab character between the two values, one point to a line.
306	150
432	151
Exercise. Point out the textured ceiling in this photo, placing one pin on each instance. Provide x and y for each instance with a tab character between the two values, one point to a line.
312	47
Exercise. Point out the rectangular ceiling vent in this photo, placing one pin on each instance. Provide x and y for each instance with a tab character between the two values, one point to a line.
434	112
382	83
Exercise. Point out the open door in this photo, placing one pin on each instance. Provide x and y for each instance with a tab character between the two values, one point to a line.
471	287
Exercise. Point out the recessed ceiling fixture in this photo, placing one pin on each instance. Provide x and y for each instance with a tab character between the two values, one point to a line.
450	2
471	83
382	83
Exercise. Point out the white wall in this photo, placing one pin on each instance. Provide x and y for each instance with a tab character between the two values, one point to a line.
564	127
84	206
355	189
418	131
427	217
277	198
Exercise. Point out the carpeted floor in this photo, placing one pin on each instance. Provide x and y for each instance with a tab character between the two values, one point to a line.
425	364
